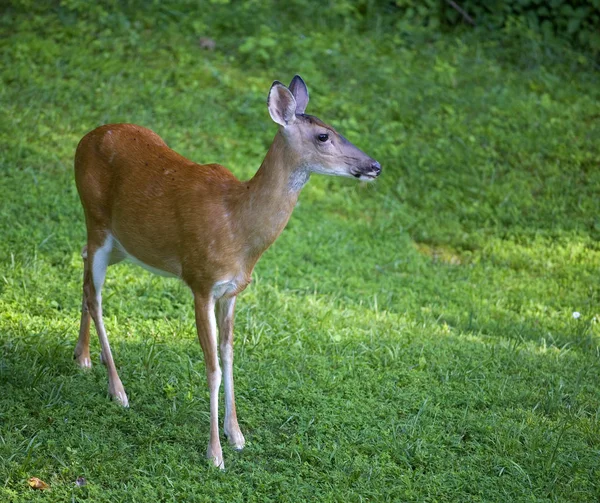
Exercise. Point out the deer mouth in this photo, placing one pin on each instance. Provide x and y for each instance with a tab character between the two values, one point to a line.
366	176
369	173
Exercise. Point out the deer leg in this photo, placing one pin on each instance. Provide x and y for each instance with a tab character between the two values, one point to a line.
225	316
207	335
82	349
97	263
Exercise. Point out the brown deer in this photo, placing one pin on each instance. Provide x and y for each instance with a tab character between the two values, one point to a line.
146	203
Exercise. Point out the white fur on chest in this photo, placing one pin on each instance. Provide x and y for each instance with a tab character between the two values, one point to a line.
225	287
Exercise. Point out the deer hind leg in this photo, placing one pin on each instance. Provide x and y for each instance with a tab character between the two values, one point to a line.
225	315
207	335
82	349
99	255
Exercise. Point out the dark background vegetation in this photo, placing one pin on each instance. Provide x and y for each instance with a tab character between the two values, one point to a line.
408	340
576	21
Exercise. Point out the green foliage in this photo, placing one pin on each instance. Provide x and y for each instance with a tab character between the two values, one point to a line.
575	20
428	13
409	340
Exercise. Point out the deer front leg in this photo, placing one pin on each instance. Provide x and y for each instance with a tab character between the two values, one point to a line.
207	335
225	315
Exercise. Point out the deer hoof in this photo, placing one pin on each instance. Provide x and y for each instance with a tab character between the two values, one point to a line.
121	399
118	394
236	439
216	456
83	361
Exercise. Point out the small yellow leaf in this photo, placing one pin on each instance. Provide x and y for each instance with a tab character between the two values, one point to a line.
36	483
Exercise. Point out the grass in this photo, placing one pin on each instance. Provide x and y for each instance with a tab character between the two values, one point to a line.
409	340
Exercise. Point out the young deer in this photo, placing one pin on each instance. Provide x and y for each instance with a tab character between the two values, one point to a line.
146	203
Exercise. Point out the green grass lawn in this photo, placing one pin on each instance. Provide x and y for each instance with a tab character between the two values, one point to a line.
407	340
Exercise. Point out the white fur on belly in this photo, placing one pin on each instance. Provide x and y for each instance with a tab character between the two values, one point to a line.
135	260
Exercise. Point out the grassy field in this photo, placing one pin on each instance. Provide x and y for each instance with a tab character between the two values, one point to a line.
408	340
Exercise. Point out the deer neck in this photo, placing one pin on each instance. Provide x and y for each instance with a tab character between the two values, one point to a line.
271	196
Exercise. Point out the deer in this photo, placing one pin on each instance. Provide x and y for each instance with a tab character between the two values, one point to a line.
145	203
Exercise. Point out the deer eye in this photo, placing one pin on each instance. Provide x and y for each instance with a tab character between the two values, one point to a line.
323	137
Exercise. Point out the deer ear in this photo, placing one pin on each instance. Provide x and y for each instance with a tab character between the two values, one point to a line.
281	104
300	92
